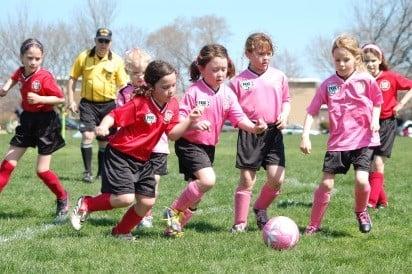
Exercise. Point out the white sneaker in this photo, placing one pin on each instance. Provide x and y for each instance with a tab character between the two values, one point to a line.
147	222
238	228
79	214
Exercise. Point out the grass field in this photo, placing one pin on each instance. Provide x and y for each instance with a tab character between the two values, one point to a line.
29	242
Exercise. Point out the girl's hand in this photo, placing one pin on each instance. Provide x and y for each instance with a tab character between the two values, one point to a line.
196	113
260	126
282	121
3	92
102	131
202	125
375	126
397	108
33	98
305	145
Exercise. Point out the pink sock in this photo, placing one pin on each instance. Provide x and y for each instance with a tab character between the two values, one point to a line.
187	215
321	198
266	197
242	202
376	185
189	196
98	203
129	220
51	180
361	197
6	168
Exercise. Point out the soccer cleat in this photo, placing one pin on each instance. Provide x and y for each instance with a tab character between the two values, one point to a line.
79	214
311	229
261	217
381	206
365	224
87	177
147	222
62	208
238	228
173	219
126	237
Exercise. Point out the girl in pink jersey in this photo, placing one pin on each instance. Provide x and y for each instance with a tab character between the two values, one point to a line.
39	124
128	177
353	99
263	92
390	83
196	148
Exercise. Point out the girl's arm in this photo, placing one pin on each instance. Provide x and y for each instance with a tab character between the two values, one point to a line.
34	98
249	126
184	124
106	123
375	118
7	86
282	119
305	143
402	102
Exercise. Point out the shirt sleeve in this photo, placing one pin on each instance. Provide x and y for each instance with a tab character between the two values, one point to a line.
376	93
77	67
285	90
175	118
187	103
124	115
235	114
51	88
16	74
402	82
317	101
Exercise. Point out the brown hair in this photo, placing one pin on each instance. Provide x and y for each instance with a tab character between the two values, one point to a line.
348	42
206	54
370	48
259	40
28	43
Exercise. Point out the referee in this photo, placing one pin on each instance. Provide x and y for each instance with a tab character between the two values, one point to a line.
102	73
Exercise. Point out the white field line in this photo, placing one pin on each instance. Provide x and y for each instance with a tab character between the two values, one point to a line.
25	234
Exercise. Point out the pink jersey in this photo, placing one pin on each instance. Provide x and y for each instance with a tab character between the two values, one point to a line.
219	106
350	104
261	96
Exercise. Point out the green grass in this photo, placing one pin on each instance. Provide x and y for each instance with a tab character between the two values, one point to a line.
30	243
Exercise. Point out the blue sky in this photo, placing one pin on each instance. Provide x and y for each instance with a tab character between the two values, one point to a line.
292	23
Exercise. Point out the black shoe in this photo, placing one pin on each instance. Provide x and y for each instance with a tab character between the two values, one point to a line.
261	217
62	208
87	177
365	224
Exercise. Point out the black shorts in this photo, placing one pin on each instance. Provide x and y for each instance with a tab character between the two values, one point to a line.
338	162
159	163
193	157
255	151
387	133
41	129
123	174
92	113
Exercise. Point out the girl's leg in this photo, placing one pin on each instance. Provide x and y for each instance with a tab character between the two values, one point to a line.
7	166
49	178
376	180
243	195
362	190
148	218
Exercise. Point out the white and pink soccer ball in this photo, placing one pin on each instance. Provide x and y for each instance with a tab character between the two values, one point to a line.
280	233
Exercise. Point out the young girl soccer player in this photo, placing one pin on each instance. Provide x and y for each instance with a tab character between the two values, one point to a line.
353	99
390	83
263	92
196	149
39	124
128	176
136	61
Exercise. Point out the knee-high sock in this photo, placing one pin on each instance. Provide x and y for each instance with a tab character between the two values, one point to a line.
189	196
129	220
87	153
6	168
321	198
266	197
98	203
100	160
376	185
242	202
383	200
361	197
51	180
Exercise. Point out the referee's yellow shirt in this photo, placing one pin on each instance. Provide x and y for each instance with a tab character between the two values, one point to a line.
101	78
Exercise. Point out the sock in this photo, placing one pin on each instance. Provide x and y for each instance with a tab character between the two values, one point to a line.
321	198
266	197
98	203
376	185
242	202
129	220
189	196
361	197
100	160
6	168
51	180
87	152
383	199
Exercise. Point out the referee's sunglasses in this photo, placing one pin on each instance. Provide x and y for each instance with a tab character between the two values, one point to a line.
103	41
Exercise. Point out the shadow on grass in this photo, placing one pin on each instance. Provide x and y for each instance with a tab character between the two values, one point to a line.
325	232
16	215
203	227
102	222
289	203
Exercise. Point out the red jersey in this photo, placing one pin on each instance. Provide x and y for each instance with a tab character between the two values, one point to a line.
142	123
41	82
390	83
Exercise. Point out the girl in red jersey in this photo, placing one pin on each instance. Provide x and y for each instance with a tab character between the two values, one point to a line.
390	83
39	124
128	177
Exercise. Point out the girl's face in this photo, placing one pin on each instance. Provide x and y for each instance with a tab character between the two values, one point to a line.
259	59
136	75
31	60
345	62
164	89
372	63
215	72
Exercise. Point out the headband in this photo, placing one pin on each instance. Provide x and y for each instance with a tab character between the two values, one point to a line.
374	47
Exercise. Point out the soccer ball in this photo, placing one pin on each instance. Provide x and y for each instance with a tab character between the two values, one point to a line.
280	233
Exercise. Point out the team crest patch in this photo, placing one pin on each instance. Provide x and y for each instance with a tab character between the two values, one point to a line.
360	87
203	103
333	89
246	85
168	116
385	85
36	86
150	118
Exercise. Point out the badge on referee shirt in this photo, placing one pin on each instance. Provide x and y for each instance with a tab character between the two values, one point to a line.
150	118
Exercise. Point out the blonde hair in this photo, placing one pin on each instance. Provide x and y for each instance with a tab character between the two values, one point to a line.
351	44
259	40
136	57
